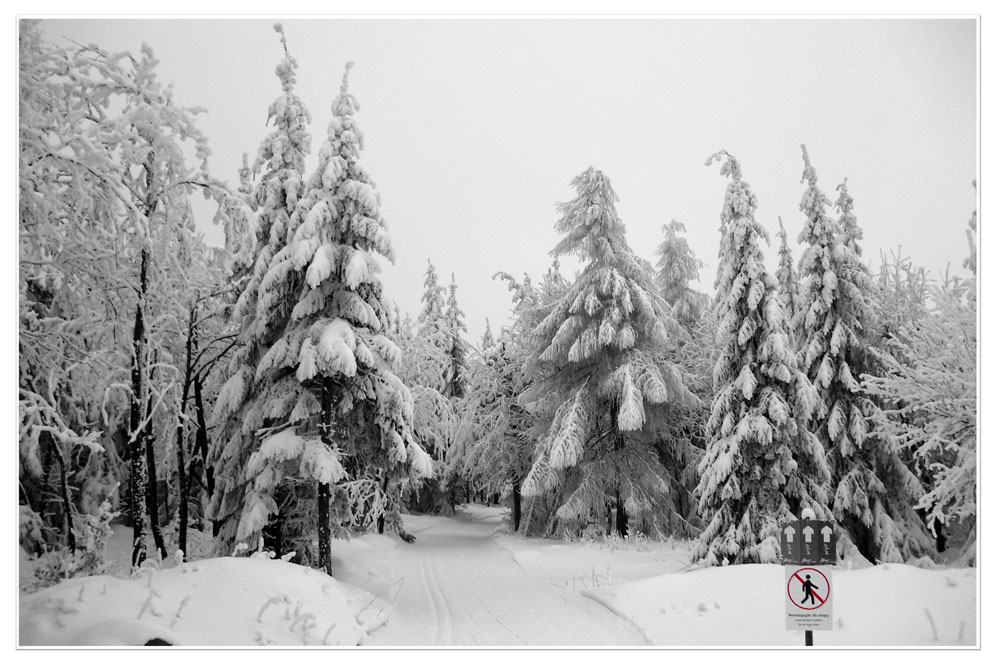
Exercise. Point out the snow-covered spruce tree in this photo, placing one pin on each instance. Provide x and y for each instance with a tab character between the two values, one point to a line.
238	219
677	267
761	465
499	454
872	490
345	418
458	422
598	380
456	344
238	411
438	421
788	282
850	231
433	304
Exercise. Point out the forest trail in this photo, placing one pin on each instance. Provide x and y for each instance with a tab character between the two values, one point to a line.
460	588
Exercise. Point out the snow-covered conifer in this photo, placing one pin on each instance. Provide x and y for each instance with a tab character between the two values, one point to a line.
850	231
788	285
872	490
457	345
599	381
433	305
761	466
500	454
331	374
677	267
240	408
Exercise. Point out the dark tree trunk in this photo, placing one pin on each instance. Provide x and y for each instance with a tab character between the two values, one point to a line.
183	490
152	491
325	490
622	520
181	443
201	437
380	519
66	501
138	431
516	504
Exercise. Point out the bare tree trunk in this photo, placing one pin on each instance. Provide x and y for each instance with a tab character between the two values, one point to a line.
516	504
380	519
325	490
201	437
138	431
66	501
622	520
181	443
152	491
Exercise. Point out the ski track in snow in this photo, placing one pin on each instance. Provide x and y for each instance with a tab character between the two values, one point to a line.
462	589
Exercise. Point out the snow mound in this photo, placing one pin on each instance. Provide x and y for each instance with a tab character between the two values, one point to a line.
743	605
214	602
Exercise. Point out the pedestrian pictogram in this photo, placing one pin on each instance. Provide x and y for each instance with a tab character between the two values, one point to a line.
809	586
808	592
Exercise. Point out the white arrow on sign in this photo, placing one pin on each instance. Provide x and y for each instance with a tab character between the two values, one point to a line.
827	532
789	533
808	532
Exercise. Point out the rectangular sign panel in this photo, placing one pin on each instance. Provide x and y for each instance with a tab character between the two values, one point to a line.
808	542
808	595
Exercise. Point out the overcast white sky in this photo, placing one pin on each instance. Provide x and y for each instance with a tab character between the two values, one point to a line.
475	127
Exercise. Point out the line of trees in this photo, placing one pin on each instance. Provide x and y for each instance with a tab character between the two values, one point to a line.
268	393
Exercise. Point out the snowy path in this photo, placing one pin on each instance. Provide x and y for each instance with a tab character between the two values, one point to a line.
461	589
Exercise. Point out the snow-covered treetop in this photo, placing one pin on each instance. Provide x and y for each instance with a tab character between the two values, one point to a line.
589	222
281	156
814	204
488	338
432	297
848	222
677	267
785	275
613	302
730	167
345	103
454	315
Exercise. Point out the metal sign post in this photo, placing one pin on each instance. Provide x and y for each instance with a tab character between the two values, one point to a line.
809	546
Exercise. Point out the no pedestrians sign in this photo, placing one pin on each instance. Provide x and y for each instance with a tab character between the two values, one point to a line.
808	598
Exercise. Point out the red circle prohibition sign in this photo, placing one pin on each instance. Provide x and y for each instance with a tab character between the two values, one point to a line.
814	585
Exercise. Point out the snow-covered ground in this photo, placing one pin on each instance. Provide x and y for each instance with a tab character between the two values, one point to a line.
217	602
465	583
